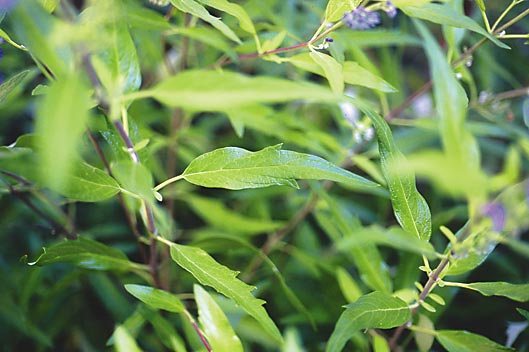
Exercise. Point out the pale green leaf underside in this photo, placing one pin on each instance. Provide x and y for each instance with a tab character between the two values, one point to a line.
156	298
236	168
464	341
375	310
210	273
235	10
221	91
515	292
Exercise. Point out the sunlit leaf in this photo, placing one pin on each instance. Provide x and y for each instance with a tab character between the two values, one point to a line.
236	168
332	70
218	91
335	9
61	118
156	298
464	341
425	339
216	326
135	178
123	341
210	273
235	10
376	310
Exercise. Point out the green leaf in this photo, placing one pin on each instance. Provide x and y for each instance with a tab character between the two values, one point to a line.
88	254
332	70
352	72
335	9
424	340
451	104
219	216
410	208
208	36
377	38
216	326
8	39
464	341
236	168
123	341
144	18
197	10
210	273
34	27
393	237
443	14
135	178
235	10
117	63
217	91
348	285
156	298
83	182
61	118
373	311
523	312
515	292
8	86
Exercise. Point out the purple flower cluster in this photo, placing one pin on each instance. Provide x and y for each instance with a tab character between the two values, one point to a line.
362	18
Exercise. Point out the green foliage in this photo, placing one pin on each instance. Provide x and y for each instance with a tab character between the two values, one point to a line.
399	201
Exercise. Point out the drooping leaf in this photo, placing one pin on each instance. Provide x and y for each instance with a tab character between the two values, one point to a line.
424	340
195	9
218	91
88	254
352	72
9	85
236	168
123	341
210	273
331	68
515	292
443	14
464	341
375	310
219	216
156	298
410	208
61	117
235	10
216	326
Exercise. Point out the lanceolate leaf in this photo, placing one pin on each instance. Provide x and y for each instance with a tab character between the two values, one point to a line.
410	208
219	91
518	293
156	298
9	85
210	273
195	9
335	9
235	10
216	326
464	341
375	310
124	341
86	253
443	14
236	168
332	70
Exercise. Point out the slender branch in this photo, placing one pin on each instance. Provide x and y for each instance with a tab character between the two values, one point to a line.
198	331
20	196
512	94
428	287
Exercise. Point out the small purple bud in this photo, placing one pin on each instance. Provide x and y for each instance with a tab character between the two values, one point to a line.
361	19
328	40
6	5
390	9
496	212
